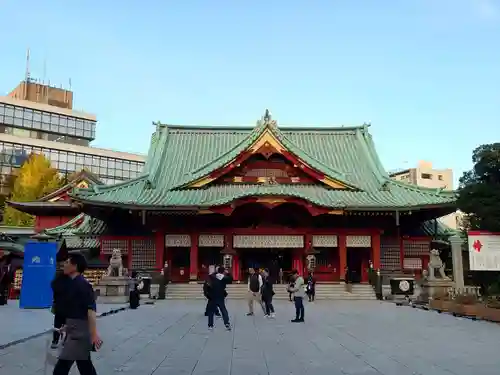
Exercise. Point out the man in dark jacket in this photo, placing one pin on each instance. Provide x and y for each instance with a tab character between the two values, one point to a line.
59	286
267	294
217	293
206	293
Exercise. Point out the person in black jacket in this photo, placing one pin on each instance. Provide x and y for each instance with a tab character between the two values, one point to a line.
216	291
311	287
59	286
267	294
206	293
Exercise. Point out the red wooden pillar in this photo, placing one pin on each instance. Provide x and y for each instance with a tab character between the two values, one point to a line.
102	257
376	251
129	257
236	267
296	253
193	258
342	255
160	249
401	253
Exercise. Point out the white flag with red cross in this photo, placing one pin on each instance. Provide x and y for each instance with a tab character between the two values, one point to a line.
484	251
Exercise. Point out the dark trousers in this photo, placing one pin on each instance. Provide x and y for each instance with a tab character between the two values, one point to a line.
216	312
268	304
311	294
85	367
213	305
58	323
299	308
134	299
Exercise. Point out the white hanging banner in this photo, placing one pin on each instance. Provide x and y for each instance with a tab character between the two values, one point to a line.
484	251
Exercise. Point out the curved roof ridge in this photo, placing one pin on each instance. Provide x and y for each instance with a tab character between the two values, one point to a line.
317	164
68	225
421	189
255	132
106	188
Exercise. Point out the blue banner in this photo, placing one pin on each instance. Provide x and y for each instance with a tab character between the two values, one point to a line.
38	272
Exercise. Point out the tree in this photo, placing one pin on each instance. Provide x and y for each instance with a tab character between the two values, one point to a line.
36	178
479	200
479	190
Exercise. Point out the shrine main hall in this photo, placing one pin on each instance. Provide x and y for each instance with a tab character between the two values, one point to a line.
263	196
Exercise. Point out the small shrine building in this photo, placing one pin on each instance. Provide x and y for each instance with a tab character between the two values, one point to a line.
263	196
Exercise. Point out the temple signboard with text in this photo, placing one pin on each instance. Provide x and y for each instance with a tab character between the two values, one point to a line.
484	251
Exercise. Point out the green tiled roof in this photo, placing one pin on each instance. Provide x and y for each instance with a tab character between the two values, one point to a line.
180	155
438	228
80	232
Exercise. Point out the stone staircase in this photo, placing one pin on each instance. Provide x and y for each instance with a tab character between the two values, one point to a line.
324	291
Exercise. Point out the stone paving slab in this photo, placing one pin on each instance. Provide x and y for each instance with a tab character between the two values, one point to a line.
17	324
347	337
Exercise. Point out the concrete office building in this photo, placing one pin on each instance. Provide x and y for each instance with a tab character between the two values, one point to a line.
425	175
36	117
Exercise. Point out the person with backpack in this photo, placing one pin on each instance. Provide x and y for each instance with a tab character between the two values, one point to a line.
216	292
298	296
311	287
206	293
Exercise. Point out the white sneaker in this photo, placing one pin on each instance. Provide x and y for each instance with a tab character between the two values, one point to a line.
273	315
267	316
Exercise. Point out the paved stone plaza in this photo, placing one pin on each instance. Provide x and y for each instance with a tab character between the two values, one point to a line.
171	337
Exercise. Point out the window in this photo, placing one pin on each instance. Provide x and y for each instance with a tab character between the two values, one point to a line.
440	177
9	110
28	114
426	176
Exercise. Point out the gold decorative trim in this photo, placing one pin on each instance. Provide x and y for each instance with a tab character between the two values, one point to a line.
201	182
82	185
336	212
204	212
333	183
267	139
271	200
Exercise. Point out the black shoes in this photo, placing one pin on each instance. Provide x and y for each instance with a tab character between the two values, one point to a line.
249	314
297	320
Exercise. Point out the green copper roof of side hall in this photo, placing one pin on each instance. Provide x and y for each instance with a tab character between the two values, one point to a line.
180	155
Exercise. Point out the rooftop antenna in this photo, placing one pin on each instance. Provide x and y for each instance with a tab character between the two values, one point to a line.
27	75
44	70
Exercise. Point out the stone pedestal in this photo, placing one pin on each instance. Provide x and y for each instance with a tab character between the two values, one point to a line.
436	287
112	289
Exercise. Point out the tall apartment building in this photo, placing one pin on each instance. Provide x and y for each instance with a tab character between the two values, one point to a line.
426	176
38	118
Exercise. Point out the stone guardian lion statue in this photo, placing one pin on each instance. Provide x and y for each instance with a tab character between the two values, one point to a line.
115	268
436	262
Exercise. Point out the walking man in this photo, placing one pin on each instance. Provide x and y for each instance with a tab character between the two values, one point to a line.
298	296
59	286
216	294
254	288
80	326
267	294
